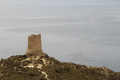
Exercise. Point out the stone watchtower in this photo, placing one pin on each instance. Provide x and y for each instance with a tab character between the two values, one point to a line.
34	45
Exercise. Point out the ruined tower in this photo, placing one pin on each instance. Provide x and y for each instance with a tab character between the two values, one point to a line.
34	45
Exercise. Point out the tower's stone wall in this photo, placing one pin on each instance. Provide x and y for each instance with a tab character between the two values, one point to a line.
34	45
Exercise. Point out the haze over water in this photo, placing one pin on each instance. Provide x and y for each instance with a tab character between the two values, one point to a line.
81	31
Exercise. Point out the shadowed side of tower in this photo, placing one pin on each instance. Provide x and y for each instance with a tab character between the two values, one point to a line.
34	45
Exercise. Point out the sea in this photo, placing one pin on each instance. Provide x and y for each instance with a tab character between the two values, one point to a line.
84	32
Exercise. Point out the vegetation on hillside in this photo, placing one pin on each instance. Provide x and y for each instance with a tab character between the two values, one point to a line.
30	67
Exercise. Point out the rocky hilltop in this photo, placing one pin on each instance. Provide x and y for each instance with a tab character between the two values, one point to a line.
36	65
24	67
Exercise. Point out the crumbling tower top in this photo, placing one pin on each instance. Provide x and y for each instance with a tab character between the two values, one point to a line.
34	45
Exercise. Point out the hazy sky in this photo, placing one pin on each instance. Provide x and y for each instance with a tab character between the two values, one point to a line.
81	31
